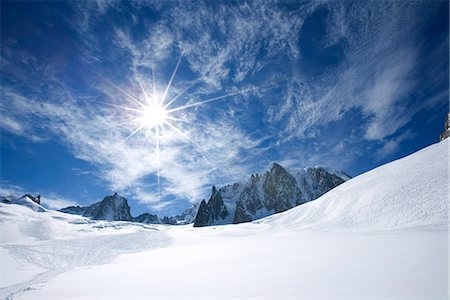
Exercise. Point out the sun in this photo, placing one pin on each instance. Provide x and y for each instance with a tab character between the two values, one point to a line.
152	115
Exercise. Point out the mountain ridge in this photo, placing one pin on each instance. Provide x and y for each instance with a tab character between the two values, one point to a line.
105	210
274	191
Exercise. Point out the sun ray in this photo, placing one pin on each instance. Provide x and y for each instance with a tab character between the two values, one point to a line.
95	70
153	82
191	140
170	81
179	95
134	132
176	119
179	131
202	102
126	124
147	132
128	95
163	129
157	160
119	106
147	98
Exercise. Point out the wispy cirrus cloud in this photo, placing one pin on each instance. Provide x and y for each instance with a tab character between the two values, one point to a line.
377	76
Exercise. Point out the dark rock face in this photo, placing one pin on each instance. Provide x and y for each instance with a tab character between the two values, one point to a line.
275	191
280	189
322	181
240	215
147	218
36	199
74	210
219	210
446	133
204	215
5	200
214	210
111	208
249	199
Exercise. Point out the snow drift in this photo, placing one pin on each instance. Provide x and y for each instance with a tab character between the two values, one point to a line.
412	191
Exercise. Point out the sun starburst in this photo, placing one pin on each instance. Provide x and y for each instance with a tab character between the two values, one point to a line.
154	114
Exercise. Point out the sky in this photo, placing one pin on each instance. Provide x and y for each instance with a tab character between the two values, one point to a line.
345	85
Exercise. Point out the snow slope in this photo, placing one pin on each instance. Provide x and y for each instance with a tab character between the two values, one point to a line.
412	191
25	201
383	234
36	246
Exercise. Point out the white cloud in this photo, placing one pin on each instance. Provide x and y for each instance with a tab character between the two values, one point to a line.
10	190
376	78
229	46
57	202
393	144
11	125
150	49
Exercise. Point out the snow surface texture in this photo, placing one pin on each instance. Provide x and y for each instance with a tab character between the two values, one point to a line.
36	246
383	234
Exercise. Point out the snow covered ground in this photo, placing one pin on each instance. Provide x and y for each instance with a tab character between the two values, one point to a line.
383	234
37	246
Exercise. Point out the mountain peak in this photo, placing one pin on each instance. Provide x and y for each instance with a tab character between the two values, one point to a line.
111	208
261	195
276	166
115	198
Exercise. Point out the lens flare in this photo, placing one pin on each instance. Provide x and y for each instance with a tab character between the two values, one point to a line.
155	113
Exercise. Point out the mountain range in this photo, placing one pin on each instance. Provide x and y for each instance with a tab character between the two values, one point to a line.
116	208
261	195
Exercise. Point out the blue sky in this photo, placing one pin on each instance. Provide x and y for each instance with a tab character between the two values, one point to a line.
346	85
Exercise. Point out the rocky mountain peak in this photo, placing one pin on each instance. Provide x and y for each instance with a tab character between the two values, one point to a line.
275	191
275	168
112	208
204	215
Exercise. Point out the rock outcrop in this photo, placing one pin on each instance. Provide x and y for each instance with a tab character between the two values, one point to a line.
446	132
